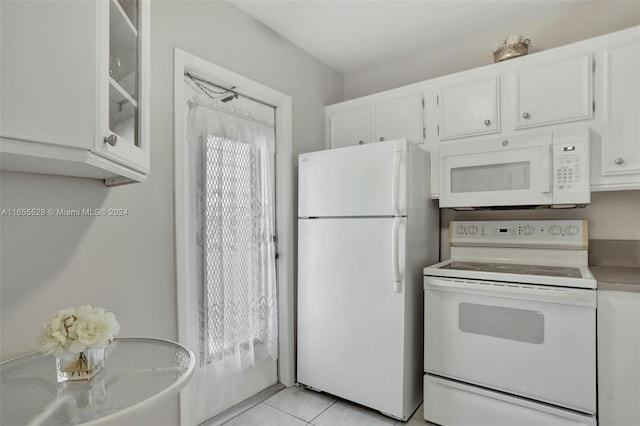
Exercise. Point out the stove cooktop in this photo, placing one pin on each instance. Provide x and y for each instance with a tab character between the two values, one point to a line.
507	268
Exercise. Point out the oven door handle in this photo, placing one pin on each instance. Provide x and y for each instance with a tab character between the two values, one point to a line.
564	296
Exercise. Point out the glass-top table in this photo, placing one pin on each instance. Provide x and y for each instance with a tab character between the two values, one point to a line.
136	372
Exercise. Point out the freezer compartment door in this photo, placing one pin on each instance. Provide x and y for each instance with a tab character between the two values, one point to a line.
453	403
363	180
351	332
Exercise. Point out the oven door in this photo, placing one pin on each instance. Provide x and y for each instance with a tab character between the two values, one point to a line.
538	342
490	173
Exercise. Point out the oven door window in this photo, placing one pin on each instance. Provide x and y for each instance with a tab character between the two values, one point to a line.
521	325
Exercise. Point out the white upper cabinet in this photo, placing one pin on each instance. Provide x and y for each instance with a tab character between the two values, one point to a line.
620	149
554	92
399	118
75	88
469	108
592	84
375	119
350	127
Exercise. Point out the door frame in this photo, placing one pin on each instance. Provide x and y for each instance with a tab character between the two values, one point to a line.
186	62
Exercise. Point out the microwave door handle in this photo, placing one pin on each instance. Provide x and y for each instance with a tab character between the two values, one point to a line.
547	163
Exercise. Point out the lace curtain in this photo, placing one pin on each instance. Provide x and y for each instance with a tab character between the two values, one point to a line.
231	160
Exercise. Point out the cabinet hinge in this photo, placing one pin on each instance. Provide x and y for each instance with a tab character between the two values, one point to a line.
593	66
438	100
423	103
438	130
424	132
594	106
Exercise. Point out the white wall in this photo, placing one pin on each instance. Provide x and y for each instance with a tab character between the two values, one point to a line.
580	22
126	264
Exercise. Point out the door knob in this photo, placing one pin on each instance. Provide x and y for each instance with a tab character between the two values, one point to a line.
111	139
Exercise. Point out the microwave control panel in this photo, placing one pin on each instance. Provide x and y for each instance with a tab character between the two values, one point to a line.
570	172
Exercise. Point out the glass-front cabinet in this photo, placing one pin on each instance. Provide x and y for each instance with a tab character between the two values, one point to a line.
75	95
123	63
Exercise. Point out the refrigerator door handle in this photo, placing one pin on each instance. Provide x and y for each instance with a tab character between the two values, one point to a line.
395	255
395	183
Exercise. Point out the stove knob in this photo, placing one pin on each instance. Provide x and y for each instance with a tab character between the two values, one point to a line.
473	229
571	230
460	229
528	230
555	230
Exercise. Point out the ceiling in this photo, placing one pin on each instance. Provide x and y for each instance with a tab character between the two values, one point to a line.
351	35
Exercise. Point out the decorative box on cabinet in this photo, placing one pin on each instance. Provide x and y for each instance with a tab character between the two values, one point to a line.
75	88
375	119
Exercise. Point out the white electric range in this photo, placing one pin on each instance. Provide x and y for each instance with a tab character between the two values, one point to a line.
510	326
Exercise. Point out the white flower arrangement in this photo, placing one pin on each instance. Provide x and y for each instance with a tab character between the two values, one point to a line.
74	330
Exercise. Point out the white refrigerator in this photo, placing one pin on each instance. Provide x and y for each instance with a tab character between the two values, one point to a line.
366	230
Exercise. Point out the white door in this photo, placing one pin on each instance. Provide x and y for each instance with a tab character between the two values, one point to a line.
472	108
365	180
214	386
399	118
124	83
348	128
557	92
350	318
537	342
620	148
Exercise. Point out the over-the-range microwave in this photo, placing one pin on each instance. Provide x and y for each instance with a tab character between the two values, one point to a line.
546	169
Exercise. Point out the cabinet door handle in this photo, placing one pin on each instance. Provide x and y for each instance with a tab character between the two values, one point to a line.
619	161
381	139
487	122
526	115
111	139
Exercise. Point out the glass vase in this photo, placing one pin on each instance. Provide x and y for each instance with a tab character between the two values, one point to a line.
82	366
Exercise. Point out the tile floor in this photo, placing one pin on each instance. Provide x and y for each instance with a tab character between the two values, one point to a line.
298	406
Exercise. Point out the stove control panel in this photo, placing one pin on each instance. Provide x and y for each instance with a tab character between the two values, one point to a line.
520	233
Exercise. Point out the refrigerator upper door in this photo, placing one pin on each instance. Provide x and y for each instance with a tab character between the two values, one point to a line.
351	321
362	180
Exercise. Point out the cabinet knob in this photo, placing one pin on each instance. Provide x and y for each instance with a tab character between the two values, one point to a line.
381	139
487	122
111	139
360	142
526	115
619	161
